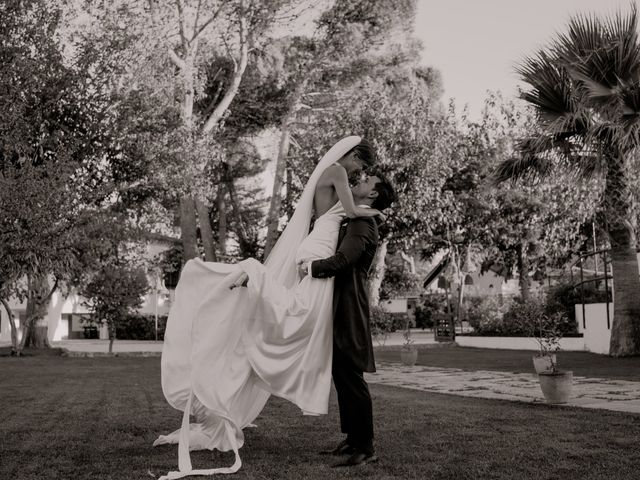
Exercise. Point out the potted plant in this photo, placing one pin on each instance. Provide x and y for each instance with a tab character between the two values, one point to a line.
556	385
548	337
529	318
408	353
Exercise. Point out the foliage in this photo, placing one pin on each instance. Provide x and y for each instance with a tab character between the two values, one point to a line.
493	316
563	297
408	341
114	292
424	316
137	326
383	323
532	319
429	308
398	281
583	86
485	316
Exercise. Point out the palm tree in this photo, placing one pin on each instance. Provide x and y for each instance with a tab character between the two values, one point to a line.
585	90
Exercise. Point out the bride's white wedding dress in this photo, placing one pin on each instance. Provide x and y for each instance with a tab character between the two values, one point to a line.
226	351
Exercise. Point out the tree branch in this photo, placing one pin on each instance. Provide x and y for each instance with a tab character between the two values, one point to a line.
222	107
175	59
195	22
198	31
181	24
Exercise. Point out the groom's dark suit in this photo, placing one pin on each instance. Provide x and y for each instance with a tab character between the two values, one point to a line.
352	346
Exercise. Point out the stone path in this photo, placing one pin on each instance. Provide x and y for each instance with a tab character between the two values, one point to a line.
618	395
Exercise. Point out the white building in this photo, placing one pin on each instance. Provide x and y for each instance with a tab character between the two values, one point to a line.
65	314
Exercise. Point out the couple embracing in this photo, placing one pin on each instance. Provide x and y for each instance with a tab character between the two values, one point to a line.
296	321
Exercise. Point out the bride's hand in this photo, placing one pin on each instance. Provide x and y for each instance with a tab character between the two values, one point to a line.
380	215
241	281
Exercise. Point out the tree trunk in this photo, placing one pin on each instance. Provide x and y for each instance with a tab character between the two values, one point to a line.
289	194
410	260
241	230
222	220
188	227
460	303
273	216
35	331
375	279
112	336
625	330
14	330
206	232
230	94
523	273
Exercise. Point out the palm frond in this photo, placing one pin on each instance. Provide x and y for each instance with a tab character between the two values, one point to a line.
622	34
551	92
585	34
530	163
599	54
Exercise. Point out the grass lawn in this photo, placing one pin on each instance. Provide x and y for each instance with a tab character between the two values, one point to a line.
96	418
518	361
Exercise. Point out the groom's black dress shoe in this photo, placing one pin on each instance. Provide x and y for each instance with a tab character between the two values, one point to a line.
358	458
343	448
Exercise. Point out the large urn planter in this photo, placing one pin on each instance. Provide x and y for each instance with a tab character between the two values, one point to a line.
556	386
544	363
409	357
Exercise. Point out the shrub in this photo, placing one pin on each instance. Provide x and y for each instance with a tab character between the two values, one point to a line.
427	312
562	298
140	327
485	316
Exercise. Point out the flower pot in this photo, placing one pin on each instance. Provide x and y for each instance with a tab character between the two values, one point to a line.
556	386
543	363
409	357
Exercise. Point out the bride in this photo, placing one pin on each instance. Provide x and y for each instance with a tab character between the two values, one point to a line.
226	349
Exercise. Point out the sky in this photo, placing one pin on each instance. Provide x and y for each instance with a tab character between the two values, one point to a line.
476	44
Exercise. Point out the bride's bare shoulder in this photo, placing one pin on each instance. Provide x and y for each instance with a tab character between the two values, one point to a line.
330	173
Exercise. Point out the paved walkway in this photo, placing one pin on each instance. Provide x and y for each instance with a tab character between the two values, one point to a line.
597	393
618	395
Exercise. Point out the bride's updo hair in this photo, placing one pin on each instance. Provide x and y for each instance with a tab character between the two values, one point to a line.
365	152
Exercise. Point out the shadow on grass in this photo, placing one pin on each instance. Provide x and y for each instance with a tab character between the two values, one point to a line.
33	352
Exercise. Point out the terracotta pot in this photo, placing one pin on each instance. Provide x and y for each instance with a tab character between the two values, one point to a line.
556	386
543	363
409	357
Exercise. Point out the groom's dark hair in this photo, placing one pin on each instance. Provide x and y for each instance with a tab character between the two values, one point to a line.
365	152
386	192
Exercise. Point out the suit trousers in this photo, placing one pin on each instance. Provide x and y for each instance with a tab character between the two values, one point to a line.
354	401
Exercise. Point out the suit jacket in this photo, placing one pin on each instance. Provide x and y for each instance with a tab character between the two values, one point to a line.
357	244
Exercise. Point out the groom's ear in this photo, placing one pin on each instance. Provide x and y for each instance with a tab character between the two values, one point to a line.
373	194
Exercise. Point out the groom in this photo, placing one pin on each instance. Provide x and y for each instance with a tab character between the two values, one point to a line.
352	346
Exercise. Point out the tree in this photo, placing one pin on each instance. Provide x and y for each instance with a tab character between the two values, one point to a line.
344	49
50	135
584	89
174	43
115	291
527	227
60	163
416	147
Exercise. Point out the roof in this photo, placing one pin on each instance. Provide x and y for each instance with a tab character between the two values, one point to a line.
435	271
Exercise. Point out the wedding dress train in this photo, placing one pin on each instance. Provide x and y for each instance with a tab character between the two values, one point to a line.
226	351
